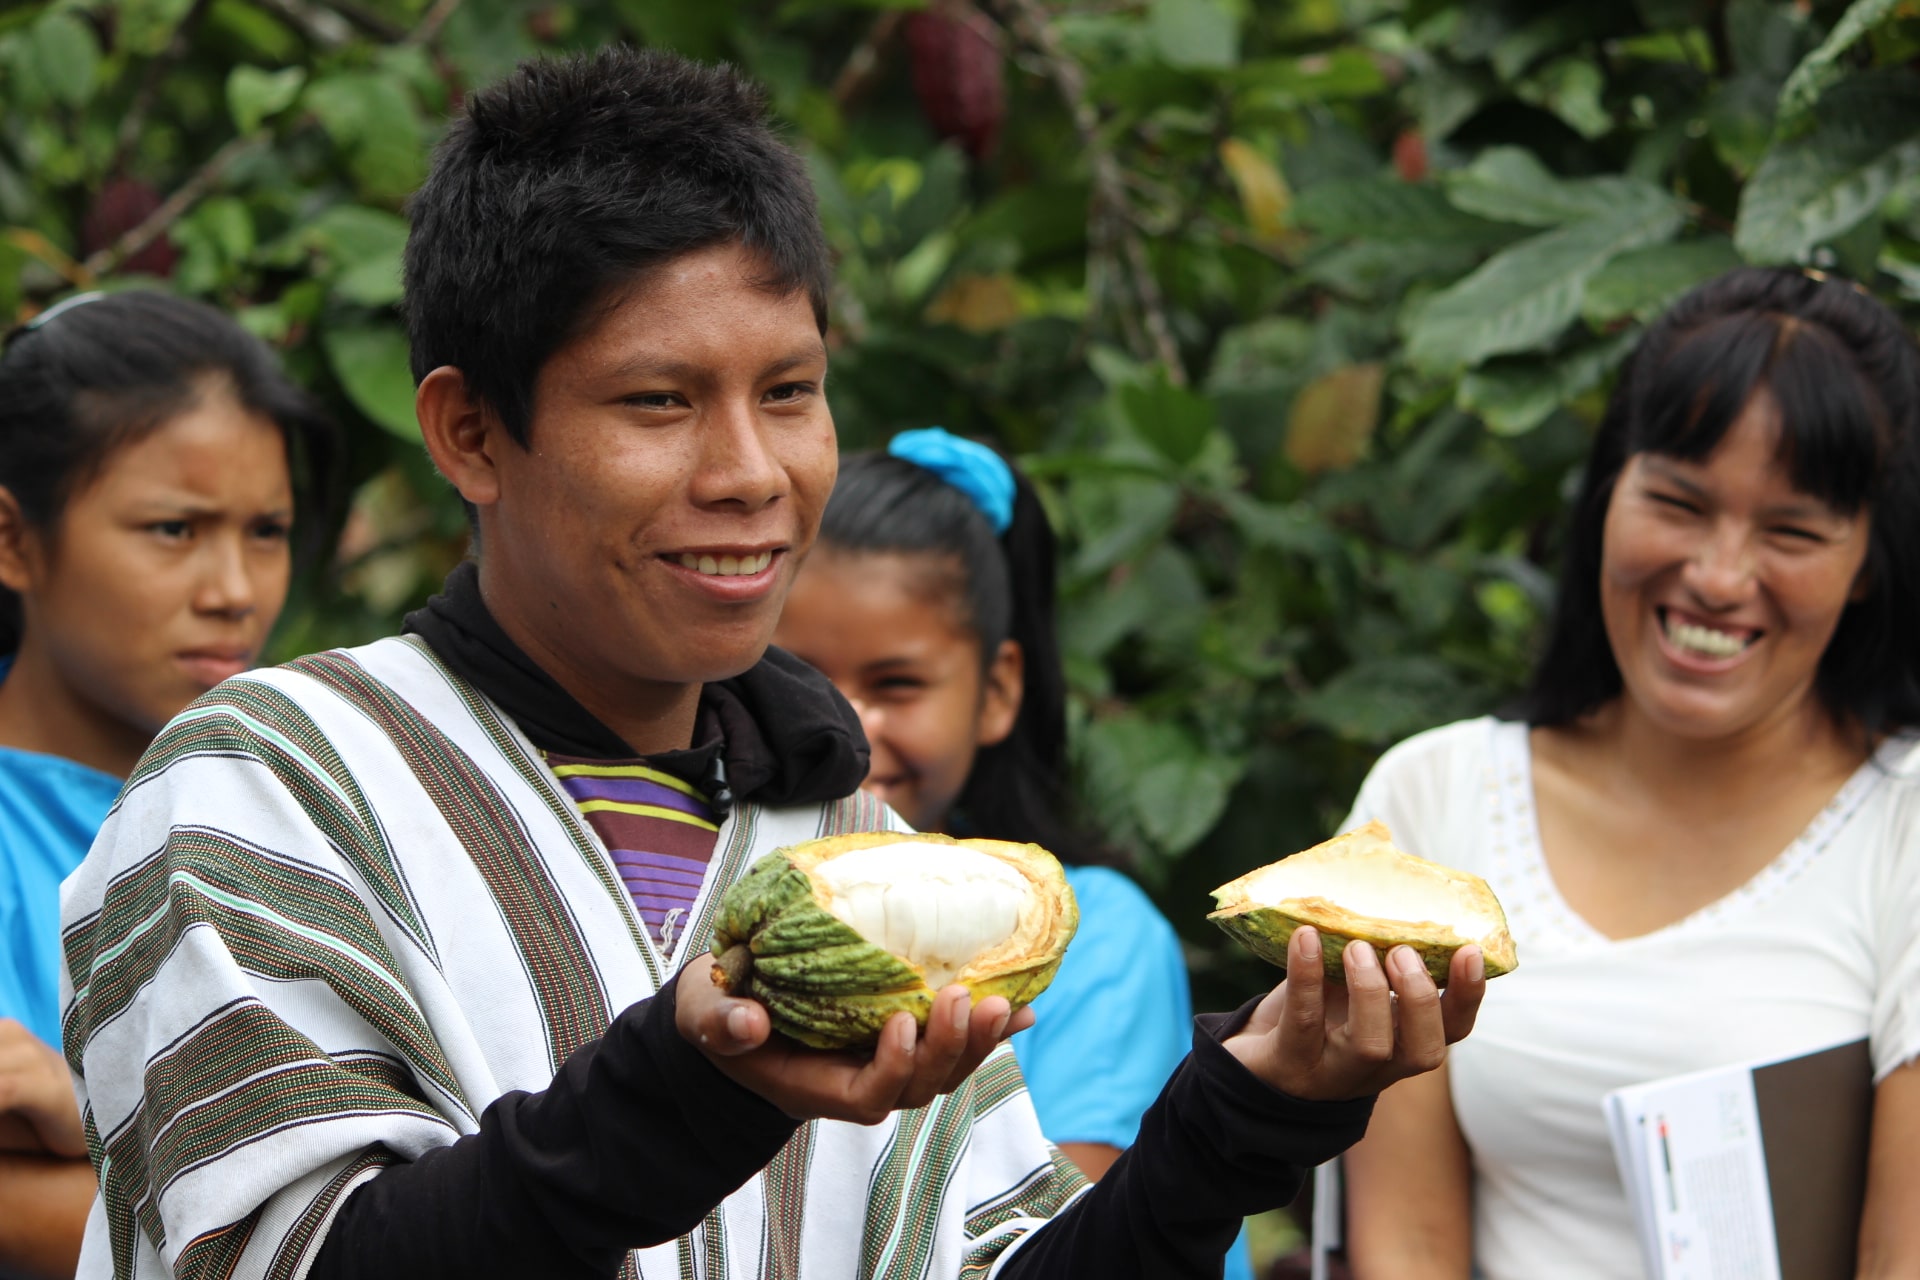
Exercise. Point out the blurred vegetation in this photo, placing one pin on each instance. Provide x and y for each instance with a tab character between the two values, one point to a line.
1301	313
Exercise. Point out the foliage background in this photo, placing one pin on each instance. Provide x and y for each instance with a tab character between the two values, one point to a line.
1301	313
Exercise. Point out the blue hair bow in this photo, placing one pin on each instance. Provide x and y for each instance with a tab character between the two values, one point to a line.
973	469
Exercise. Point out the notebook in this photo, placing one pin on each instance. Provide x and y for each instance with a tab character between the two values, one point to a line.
1757	1170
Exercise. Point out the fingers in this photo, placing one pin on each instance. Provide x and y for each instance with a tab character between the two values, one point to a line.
1466	987
1305	989
719	1024
1369	1029
946	1053
874	1090
1423	1040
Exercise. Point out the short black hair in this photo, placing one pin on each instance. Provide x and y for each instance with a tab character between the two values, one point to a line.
565	183
1845	377
1001	587
102	374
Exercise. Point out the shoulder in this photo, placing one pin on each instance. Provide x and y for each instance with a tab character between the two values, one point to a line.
1435	782
1442	749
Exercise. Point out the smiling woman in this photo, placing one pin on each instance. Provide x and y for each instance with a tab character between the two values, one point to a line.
146	506
1708	827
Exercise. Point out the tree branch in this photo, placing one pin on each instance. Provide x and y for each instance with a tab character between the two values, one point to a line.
429	29
322	26
149	91
863	64
174	207
374	24
1113	230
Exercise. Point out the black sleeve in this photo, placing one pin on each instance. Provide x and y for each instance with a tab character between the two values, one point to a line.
1217	1145
638	1136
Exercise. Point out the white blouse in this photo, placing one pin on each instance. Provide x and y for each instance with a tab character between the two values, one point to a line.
1823	945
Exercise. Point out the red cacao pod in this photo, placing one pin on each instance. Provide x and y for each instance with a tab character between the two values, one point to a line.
1410	155
958	76
118	207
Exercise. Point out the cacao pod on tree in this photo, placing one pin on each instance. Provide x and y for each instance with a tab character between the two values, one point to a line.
121	205
958	76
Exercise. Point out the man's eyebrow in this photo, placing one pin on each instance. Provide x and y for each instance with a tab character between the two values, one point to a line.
685	371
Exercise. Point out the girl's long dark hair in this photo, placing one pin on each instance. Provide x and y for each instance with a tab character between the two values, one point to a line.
1004	586
103	373
1845	376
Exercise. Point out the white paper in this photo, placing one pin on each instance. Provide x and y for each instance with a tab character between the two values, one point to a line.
1695	1169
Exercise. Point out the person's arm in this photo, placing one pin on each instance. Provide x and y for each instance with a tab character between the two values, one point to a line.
46	1183
1262	1098
1889	1227
43	1213
640	1134
1409	1188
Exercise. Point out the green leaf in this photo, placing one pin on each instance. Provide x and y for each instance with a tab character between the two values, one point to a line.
1641	284
1515	396
67	56
1174	420
1818	71
1507	184
1549	33
1196	34
1816	187
1393	211
1289	83
1571	88
364	247
1382	699
143	27
371	363
1523	297
1178	801
255	96
373	118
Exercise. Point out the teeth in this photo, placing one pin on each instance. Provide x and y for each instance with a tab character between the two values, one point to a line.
1705	640
727	566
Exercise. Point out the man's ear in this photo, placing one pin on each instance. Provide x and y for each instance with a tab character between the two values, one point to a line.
1000	694
462	435
19	545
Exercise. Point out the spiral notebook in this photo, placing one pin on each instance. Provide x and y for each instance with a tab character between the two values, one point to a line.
1757	1170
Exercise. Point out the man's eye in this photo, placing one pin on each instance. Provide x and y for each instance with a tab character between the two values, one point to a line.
654	400
172	530
788	392
273	530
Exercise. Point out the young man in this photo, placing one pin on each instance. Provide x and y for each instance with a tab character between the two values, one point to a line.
372	971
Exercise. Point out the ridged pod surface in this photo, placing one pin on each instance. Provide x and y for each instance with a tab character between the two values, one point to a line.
825	983
1358	885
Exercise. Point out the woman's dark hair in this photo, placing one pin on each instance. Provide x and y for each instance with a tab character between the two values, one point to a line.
104	372
569	180
1845	377
1004	589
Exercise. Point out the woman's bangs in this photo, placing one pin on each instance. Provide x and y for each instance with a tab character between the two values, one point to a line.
1832	425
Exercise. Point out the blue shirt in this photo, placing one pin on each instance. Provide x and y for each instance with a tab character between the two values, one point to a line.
1115	1023
50	810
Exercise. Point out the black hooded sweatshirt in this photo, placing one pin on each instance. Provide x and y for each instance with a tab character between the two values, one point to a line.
639	1135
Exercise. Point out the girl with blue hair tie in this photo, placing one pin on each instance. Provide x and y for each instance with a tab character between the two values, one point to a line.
929	602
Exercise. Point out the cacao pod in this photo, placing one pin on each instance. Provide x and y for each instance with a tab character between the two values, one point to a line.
958	77
1357	885
834	936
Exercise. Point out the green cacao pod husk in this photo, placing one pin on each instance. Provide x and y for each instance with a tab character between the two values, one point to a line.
835	936
1358	885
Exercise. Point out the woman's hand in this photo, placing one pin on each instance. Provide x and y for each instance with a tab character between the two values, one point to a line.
1323	1041
36	1093
906	1069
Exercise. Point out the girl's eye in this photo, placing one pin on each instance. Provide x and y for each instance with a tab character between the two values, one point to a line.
1796	533
899	686
171	530
273	530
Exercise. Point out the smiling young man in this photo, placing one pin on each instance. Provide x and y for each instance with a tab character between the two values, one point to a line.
372	973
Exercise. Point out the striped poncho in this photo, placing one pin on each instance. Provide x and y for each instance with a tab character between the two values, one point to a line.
342	906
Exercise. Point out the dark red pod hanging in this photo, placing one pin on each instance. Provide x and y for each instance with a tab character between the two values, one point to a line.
958	75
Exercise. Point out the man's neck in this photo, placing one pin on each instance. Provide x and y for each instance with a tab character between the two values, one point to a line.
649	716
40	712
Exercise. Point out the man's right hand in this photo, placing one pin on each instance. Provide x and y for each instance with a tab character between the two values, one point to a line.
37	1107
906	1069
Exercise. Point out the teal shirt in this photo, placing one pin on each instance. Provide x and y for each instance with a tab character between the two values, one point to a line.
50	810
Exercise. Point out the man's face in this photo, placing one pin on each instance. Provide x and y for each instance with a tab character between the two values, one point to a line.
680	455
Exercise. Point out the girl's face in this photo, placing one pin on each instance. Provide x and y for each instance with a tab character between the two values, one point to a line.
886	630
1721	583
166	569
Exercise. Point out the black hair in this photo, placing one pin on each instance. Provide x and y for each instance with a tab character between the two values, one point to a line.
104	373
564	184
1844	375
1003	588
